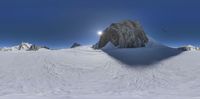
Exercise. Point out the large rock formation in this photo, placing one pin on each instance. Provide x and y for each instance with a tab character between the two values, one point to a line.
126	34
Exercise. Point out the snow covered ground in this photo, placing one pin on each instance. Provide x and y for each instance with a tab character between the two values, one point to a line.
84	73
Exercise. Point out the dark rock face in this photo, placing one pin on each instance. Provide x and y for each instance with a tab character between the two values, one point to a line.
126	34
75	45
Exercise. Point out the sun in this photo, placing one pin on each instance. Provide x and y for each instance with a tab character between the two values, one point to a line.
99	33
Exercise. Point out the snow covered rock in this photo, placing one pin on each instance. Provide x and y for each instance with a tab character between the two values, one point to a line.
35	47
189	48
75	45
22	46
126	34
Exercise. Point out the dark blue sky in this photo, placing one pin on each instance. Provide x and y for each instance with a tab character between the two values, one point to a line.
58	23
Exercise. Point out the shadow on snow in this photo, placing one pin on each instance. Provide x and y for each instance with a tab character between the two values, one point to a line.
142	56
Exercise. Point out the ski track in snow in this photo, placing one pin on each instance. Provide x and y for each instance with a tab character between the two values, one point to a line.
84	73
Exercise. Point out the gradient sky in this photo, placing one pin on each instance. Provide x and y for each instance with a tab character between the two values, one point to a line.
59	23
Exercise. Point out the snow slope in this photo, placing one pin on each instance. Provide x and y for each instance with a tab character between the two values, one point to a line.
84	73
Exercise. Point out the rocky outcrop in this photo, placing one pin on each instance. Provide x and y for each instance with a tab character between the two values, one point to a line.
35	47
126	34
75	45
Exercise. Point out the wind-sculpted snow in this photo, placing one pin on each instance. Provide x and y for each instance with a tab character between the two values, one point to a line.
85	73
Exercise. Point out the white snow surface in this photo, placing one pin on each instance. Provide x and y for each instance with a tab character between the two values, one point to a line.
85	73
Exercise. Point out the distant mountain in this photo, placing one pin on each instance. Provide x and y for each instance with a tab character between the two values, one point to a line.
189	48
23	47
